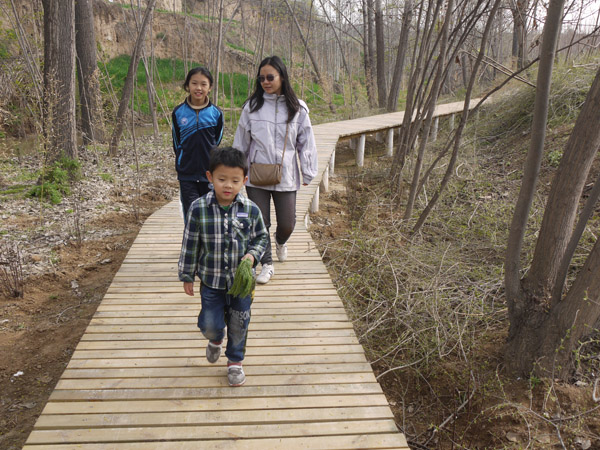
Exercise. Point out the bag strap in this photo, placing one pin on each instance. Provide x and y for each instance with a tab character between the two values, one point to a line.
287	128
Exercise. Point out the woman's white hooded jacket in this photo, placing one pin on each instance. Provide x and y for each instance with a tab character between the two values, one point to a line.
260	135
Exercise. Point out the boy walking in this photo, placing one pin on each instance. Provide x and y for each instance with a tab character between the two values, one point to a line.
222	228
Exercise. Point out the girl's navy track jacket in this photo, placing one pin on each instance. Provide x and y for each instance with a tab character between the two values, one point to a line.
195	134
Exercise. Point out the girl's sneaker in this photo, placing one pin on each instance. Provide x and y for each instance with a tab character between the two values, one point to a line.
235	375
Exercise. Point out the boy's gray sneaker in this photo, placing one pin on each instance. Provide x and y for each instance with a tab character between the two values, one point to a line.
235	375
213	351
281	251
265	274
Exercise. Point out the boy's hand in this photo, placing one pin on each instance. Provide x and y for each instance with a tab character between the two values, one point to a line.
250	257
188	287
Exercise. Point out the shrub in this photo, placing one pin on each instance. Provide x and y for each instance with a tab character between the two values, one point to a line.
11	270
54	181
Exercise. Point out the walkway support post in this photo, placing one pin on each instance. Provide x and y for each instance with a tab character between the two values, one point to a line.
451	122
332	163
360	151
434	129
314	204
390	142
324	186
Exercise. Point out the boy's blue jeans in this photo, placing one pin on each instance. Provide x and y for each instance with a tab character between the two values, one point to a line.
221	310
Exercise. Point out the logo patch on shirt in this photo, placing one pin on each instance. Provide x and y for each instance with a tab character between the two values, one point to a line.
242	214
184	121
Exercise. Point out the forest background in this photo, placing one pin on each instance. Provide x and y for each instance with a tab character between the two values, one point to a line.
484	267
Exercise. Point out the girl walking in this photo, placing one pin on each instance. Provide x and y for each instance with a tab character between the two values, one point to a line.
197	129
275	128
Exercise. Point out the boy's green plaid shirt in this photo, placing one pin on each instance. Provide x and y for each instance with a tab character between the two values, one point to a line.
215	240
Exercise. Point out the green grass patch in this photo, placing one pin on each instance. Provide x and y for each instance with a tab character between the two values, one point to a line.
106	177
54	181
15	190
169	76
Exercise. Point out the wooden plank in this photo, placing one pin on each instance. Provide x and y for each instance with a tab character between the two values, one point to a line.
199	352
189	397
201	361
164	372
215	404
379	441
252	342
191	335
282	416
197	432
258	323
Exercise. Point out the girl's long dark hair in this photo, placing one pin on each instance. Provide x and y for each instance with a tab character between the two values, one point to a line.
256	100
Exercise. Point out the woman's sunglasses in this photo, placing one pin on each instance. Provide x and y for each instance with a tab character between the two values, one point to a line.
269	78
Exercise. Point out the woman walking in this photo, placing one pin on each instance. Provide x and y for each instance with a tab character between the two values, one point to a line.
274	127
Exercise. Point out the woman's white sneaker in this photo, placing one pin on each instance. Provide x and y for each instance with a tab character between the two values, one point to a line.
281	251
265	274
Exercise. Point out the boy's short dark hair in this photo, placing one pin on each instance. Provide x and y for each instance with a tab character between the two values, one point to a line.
228	156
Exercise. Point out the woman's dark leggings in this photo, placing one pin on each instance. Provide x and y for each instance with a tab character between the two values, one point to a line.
285	211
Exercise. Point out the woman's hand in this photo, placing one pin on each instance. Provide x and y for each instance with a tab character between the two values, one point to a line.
250	257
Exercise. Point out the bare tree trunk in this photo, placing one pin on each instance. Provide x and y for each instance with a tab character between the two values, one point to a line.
370	85
129	80
519	11
392	103
92	124
304	41
219	51
371	49
563	201
337	39
59	77
435	92
148	69
534	156
526	313
380	43
465	115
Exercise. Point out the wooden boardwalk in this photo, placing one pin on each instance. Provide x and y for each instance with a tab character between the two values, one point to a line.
139	380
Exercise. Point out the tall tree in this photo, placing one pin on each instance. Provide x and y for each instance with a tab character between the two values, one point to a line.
149	70
519	10
59	77
219	51
313	60
92	126
368	51
380	45
392	103
543	330
129	80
